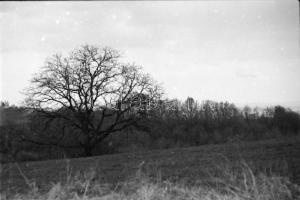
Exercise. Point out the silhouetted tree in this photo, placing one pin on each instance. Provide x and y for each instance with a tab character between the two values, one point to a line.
91	92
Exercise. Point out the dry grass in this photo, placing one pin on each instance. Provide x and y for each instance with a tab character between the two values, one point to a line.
226	181
213	172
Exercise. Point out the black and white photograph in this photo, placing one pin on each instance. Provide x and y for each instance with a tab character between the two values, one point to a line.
150	100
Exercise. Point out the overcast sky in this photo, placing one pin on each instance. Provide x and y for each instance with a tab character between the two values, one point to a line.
239	51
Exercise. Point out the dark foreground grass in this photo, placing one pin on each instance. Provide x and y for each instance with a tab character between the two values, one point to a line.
257	170
226	182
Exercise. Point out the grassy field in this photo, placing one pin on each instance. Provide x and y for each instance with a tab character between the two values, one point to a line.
182	171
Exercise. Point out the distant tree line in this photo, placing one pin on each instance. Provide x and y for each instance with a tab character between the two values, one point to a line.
194	123
170	123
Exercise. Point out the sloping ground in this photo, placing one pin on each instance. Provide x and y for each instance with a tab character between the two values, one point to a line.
181	164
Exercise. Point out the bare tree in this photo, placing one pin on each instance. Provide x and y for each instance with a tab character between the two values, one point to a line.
92	92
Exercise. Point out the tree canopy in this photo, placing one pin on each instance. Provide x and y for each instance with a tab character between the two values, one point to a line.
92	92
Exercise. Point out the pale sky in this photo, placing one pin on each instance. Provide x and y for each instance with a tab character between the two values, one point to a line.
239	51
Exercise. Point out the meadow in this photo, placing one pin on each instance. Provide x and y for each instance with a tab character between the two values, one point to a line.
267	169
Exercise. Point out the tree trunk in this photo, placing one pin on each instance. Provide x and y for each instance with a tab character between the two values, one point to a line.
88	150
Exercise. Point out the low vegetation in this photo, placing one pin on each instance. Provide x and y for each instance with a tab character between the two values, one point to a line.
237	181
256	170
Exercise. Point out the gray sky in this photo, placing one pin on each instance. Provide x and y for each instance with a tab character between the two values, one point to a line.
240	51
